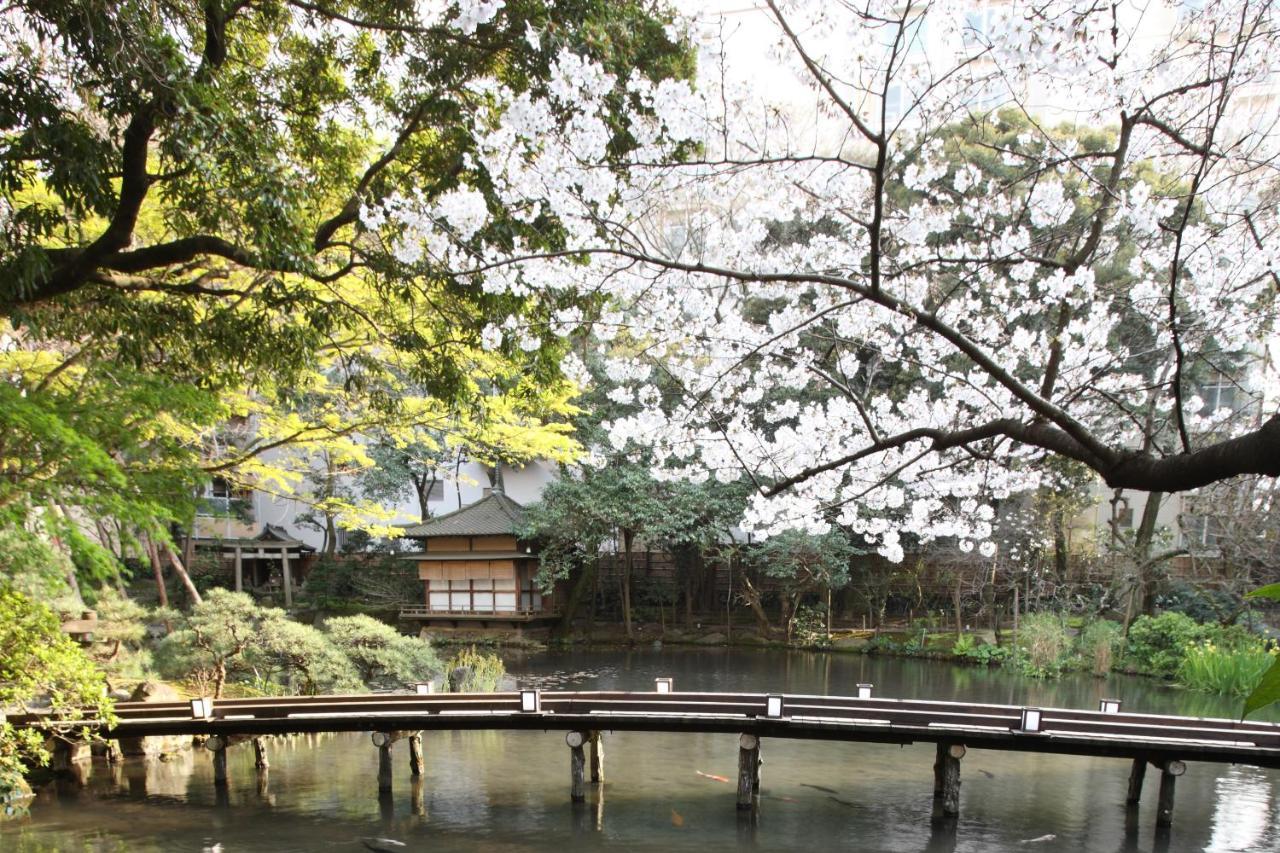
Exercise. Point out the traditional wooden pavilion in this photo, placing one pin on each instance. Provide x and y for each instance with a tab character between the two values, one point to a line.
475	568
273	561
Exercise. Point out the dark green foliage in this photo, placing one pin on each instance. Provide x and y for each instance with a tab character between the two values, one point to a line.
1157	644
39	663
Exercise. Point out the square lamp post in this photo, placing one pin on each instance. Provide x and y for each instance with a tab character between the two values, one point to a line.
864	690
663	685
530	701
1109	706
202	708
1031	720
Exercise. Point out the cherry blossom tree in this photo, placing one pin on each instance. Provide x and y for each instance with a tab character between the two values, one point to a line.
974	242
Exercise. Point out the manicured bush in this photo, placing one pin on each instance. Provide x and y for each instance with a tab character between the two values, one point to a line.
1158	644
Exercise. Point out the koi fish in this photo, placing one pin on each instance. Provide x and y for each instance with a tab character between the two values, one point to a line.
713	777
1048	837
819	788
676	819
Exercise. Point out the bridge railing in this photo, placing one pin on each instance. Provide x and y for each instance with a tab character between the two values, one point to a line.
897	713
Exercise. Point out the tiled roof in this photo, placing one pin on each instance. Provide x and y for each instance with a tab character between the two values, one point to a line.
494	515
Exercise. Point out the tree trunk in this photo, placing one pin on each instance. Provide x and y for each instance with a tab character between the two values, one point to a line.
1060	562
627	538
422	487
181	572
162	593
586	581
752	596
330	536
958	603
1143	564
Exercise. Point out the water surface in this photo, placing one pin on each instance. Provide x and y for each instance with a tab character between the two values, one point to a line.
500	791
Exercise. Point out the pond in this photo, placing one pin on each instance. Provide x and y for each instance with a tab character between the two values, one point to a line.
498	791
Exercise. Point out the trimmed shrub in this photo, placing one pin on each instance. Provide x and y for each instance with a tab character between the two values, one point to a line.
1158	644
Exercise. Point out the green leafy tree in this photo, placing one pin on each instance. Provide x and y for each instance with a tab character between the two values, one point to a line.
583	512
214	642
302	660
801	564
41	668
381	655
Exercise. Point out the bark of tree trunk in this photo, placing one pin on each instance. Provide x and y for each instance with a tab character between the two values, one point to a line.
1060	562
1144	566
162	594
586	581
752	596
181	572
627	537
957	602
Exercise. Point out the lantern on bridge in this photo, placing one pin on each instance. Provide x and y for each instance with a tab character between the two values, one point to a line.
663	685
530	701
773	706
1109	706
202	708
864	690
1031	720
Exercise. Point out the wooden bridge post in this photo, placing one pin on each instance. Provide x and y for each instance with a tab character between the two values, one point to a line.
748	772
1170	770
418	797
1137	775
260	753
217	744
946	777
597	758
577	766
383	741
415	754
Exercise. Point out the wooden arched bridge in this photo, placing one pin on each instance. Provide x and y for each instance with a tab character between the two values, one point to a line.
1165	742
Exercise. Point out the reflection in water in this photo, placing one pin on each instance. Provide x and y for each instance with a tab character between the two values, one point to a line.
1242	813
501	791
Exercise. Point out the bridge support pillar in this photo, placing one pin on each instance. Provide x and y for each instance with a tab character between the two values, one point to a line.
217	744
1169	772
260	753
748	772
946	778
597	758
383	741
68	753
1137	775
415	754
577	766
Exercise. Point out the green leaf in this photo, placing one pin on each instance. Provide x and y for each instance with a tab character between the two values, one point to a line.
1271	591
1267	691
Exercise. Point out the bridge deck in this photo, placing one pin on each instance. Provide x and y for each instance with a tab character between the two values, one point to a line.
872	720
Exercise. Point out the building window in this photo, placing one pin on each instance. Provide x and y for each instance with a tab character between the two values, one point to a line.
222	498
479	595
1219	394
1200	533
